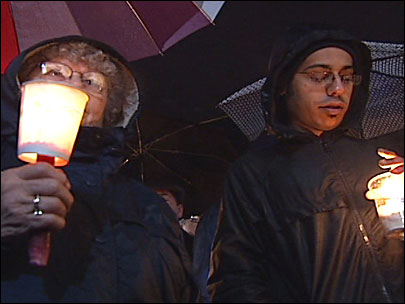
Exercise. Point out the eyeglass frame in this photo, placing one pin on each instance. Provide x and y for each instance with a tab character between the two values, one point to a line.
329	77
98	90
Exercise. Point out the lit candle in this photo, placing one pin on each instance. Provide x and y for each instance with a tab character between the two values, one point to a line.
50	117
387	191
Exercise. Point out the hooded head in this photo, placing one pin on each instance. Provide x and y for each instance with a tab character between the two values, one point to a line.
117	81
290	51
174	196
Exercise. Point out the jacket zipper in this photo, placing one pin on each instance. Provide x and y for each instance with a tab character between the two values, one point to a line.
360	225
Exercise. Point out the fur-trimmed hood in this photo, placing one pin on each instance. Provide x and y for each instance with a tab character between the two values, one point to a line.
127	108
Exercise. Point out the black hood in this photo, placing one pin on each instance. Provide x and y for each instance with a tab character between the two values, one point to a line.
290	50
11	94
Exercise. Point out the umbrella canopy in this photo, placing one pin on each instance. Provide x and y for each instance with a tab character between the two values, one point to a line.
137	29
9	45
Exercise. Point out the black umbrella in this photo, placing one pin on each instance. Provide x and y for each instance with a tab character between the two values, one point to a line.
193	155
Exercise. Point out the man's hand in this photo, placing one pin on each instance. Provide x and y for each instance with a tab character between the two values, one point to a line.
395	163
18	189
391	160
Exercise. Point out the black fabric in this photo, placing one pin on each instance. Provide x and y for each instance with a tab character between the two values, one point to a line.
296	226
121	243
292	221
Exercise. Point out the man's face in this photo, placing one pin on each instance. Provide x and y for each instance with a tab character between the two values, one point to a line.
314	103
81	76
172	202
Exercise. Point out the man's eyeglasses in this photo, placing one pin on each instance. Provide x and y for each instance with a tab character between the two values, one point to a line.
94	82
326	78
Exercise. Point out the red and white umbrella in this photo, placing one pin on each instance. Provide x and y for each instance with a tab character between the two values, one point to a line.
9	44
137	29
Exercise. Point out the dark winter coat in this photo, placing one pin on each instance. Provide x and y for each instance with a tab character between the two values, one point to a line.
203	245
296	225
121	242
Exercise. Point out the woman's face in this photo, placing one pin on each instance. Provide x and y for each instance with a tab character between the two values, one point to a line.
81	76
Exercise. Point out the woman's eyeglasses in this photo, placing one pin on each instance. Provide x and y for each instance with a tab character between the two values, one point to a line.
94	82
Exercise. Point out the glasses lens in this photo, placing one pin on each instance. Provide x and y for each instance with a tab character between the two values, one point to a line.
328	77
320	77
351	79
94	82
356	79
56	71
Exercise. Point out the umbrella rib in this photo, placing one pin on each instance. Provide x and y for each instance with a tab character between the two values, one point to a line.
183	129
167	168
138	130
386	74
203	12
387	57
135	152
190	153
139	150
144	26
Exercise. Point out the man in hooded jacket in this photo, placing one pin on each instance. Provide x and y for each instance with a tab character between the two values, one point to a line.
112	238
296	224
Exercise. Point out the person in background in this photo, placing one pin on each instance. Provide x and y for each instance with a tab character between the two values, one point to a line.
199	235
112	238
175	197
296	225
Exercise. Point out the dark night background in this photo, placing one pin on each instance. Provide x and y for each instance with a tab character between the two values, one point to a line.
197	73
184	86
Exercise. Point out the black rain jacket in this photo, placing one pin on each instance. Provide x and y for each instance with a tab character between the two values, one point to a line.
296	225
121	243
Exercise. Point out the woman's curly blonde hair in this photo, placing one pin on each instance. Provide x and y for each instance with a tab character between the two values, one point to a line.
123	98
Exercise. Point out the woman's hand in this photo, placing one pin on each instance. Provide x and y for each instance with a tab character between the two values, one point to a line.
18	189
